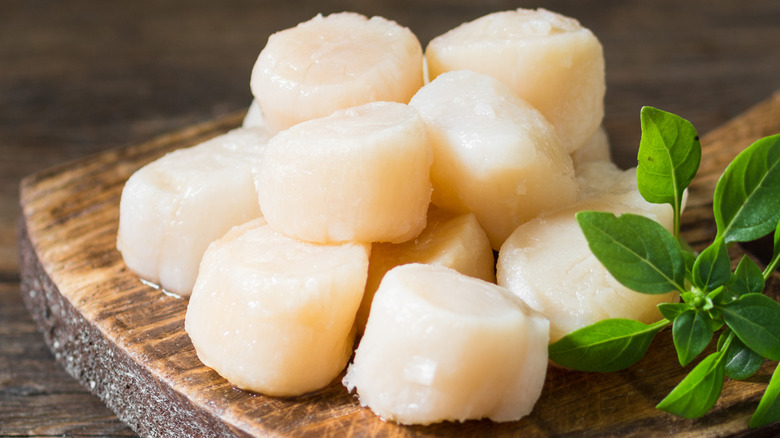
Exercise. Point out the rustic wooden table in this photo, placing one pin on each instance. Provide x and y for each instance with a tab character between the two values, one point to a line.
79	77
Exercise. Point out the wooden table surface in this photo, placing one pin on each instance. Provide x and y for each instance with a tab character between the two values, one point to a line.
79	77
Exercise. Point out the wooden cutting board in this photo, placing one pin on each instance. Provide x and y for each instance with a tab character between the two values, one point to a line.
125	341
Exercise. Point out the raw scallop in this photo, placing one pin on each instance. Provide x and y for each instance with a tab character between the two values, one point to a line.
335	62
548	59
360	174
493	154
172	208
440	345
454	241
547	261
274	315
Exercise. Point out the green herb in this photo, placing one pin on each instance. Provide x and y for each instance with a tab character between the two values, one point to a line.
669	155
712	268
645	257
609	345
747	278
692	332
698	391
746	202
671	311
637	251
741	361
768	410
755	318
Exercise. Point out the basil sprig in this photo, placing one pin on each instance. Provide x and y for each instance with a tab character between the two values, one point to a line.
669	156
645	257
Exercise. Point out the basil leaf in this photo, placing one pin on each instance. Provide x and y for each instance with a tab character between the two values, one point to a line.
712	268
747	278
691	332
698	391
671	311
741	362
606	346
755	319
768	410
746	202
668	158
639	252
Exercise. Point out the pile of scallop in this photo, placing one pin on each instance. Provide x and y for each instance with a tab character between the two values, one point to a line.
363	199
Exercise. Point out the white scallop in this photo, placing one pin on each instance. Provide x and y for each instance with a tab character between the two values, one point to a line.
440	345
360	174
494	155
455	241
547	261
273	314
172	208
334	62
548	59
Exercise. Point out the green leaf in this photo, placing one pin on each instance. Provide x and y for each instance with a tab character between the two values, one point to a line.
606	346
768	410
747	278
746	202
692	332
671	311
668	158
639	252
755	319
741	362
712	268
698	391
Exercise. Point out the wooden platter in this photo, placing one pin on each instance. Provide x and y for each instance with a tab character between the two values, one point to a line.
125	341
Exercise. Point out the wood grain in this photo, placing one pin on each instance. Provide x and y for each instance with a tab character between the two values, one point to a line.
125	341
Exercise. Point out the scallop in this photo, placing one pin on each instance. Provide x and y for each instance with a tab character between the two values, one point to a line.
274	315
172	208
360	174
494	155
456	241
547	261
440	346
549	60
335	62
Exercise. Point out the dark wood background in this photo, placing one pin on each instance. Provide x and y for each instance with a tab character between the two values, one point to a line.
77	77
